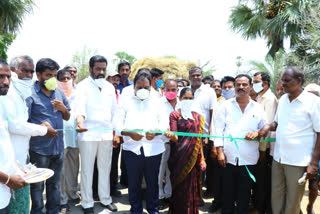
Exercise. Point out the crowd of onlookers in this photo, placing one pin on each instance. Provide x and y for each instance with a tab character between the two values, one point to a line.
257	144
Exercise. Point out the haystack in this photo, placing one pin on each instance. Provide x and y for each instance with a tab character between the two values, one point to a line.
173	68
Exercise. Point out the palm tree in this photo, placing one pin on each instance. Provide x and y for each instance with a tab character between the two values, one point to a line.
273	20
273	66
12	13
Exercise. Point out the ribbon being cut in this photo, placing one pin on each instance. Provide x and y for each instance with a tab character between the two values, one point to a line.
232	139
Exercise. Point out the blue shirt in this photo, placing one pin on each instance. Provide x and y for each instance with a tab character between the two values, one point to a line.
121	86
41	110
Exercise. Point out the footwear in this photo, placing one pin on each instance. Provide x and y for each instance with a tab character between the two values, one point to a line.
163	204
96	198
76	200
88	210
65	208
111	207
214	207
116	193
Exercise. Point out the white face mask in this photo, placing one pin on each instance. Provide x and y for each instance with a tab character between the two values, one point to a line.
23	86
186	106
257	87
143	94
100	82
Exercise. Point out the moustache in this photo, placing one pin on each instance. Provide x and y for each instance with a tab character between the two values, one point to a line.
101	76
241	90
4	86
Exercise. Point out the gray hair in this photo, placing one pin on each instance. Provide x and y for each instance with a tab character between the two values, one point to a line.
15	62
193	69
313	88
70	66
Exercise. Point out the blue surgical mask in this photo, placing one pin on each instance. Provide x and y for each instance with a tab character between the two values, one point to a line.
228	94
159	83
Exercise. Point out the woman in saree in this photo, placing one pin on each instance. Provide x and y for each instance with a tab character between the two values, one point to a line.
186	158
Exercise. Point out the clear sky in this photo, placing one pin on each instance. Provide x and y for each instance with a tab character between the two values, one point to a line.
189	29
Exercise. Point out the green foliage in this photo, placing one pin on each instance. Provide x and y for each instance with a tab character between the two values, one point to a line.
12	13
273	21
80	59
123	56
5	41
207	68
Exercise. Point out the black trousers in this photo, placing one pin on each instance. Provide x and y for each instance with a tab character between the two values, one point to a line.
139	166
217	182
262	189
236	185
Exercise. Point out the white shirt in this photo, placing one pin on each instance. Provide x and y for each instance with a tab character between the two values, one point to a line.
129	92
7	164
269	103
169	109
147	115
20	130
205	99
298	121
98	109
231	121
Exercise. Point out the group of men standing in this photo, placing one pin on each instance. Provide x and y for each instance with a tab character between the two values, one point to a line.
56	125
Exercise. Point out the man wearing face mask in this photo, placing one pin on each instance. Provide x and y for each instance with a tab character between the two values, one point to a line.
8	180
142	151
20	130
71	163
227	84
47	104
124	70
156	82
171	103
96	102
269	102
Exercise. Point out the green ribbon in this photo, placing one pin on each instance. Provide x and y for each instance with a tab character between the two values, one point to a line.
232	139
187	134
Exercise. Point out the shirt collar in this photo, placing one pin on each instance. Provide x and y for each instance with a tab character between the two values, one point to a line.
302	97
266	94
36	87
127	83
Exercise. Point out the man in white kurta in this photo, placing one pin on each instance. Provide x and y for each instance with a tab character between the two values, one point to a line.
95	102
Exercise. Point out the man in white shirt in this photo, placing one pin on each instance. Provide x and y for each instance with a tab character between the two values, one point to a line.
95	103
205	103
297	147
269	103
16	109
171	103
238	117
8	179
142	151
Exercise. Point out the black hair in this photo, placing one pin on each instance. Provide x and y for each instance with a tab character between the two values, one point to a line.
3	62
185	90
218	81
46	63
264	76
97	58
227	79
208	77
61	72
296	73
169	80
143	73
194	68
185	80
155	72
123	63
245	75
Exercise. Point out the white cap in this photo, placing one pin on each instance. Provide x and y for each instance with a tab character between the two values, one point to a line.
113	73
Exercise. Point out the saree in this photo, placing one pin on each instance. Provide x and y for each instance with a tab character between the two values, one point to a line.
184	164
